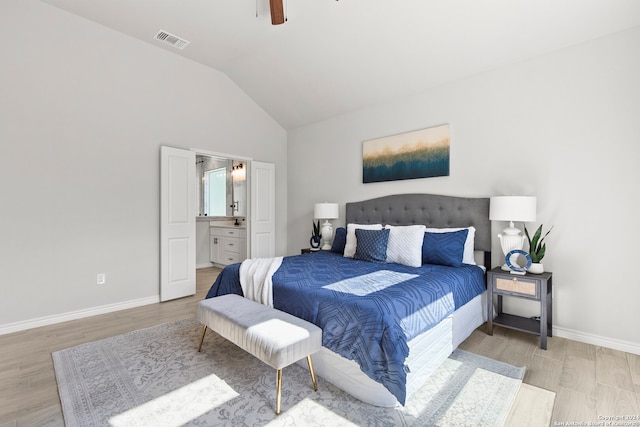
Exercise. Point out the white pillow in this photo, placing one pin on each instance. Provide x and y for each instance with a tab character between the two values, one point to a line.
469	247
350	246
405	244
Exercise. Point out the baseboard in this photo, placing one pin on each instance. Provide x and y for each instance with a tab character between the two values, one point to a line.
73	315
628	346
205	265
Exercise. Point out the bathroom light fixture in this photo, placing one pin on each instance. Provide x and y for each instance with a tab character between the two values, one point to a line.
238	172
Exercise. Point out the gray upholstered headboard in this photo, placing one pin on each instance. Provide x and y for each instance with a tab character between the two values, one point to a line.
429	209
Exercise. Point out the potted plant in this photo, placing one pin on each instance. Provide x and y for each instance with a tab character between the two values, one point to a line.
315	237
537	249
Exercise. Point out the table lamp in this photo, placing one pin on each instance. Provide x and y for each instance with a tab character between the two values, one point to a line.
512	208
326	211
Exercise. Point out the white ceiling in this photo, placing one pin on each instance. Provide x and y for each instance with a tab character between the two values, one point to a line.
331	56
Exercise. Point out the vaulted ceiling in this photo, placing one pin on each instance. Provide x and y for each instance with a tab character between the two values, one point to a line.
331	57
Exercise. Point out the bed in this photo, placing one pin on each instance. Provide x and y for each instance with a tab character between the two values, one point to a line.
387	325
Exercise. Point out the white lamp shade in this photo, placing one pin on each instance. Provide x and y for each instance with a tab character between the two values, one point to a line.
513	208
325	211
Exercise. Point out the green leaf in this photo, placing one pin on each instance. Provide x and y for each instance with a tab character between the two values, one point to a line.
547	233
538	255
536	237
316	229
542	251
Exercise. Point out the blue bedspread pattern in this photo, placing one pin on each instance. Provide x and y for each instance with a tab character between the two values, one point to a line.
371	320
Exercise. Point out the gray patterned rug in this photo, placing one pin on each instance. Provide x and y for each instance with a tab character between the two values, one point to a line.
156	377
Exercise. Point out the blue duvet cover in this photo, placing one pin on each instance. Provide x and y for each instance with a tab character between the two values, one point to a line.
367	311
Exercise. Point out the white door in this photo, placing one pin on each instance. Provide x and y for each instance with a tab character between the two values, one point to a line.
177	223
263	210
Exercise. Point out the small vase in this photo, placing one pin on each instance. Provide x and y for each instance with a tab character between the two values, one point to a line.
536	268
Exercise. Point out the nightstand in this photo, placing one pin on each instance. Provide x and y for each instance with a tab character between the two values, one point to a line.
308	251
535	287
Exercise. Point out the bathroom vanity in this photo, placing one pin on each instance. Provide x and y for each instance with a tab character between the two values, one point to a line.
227	243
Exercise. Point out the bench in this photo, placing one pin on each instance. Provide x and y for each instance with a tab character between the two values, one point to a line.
273	336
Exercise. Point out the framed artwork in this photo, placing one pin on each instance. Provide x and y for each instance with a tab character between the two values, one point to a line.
419	154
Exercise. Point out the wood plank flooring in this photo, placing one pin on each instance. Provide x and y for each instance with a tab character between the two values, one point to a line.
28	389
589	381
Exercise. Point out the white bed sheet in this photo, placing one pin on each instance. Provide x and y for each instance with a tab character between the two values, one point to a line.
426	353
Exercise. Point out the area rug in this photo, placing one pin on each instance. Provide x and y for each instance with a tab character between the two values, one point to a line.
156	377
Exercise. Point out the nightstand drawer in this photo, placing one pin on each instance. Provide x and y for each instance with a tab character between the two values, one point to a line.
517	286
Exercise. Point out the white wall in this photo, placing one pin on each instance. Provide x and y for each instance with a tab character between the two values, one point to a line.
83	113
564	127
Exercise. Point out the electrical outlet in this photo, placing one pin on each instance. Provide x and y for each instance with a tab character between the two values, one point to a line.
101	279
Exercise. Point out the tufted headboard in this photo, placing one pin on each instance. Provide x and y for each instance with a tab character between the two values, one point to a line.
429	209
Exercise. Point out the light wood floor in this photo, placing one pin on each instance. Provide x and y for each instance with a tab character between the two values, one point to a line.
589	381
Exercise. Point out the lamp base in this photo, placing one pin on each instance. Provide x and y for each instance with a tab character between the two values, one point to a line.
510	240
327	235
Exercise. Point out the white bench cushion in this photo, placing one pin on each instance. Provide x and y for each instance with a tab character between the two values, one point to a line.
273	336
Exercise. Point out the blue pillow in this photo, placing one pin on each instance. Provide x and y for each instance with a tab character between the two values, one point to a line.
371	245
339	240
444	248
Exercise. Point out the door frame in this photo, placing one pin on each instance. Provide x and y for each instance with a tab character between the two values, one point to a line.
250	202
248	160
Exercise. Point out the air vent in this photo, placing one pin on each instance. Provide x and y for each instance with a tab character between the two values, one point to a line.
171	39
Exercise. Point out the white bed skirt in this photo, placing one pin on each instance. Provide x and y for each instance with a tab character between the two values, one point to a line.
426	353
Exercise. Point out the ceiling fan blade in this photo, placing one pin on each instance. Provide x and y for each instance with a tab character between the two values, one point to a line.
277	12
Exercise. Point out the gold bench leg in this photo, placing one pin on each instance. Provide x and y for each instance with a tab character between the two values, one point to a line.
204	329
279	383
313	375
278	390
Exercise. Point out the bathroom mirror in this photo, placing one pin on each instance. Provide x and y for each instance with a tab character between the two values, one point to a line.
222	187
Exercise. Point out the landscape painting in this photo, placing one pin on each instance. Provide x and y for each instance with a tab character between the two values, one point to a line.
419	154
